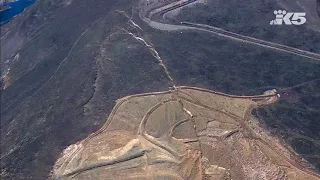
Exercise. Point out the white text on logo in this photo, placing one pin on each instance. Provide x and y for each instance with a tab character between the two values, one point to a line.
289	18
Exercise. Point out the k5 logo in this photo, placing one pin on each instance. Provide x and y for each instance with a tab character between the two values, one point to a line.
289	18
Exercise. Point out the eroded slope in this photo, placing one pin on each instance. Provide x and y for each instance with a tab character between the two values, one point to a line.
185	133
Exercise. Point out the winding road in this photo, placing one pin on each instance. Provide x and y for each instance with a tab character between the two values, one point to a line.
156	19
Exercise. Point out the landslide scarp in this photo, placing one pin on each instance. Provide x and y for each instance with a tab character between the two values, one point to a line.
185	133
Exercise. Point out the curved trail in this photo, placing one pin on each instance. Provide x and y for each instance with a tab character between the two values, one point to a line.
125	99
160	12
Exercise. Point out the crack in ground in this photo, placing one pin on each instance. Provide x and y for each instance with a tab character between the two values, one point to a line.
151	48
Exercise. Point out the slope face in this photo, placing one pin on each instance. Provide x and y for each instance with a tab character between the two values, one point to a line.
186	133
